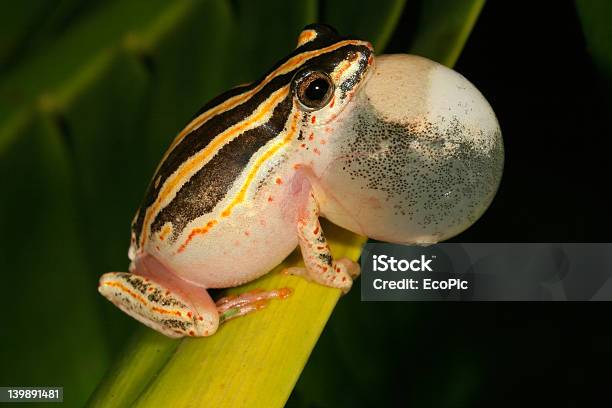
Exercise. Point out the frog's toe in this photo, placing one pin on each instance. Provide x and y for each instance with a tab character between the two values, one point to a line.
351	267
233	306
154	305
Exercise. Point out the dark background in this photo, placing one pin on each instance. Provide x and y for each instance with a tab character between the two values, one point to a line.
73	175
532	64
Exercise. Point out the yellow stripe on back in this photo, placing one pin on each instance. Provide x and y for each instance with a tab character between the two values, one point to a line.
198	160
234	101
240	196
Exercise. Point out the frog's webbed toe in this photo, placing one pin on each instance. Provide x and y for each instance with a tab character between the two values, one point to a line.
233	306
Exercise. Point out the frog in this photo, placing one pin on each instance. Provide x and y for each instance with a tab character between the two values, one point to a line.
397	148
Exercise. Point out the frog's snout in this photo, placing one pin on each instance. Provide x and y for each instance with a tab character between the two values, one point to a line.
425	143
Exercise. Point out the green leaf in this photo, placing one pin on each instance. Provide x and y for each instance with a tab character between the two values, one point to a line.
51	333
333	375
596	19
443	27
260	20
372	20
85	114
141	358
254	360
80	57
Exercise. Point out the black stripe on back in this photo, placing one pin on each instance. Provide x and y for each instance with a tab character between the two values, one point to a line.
210	184
199	138
319	43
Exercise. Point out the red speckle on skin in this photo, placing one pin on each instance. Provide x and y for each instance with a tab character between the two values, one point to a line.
279	181
191	333
343	278
314	119
303	145
331	104
316	151
270	199
247	233
316	230
167	292
370	59
200	318
311	137
189	314
322	141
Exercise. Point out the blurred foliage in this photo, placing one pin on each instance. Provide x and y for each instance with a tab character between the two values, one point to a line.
91	93
595	19
443	28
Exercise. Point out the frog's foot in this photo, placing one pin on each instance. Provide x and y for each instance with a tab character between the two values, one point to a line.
319	264
335	277
175	308
233	306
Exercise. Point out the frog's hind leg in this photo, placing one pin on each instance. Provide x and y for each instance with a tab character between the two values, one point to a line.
159	299
319	263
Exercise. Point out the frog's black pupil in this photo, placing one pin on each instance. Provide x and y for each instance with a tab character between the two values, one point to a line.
317	90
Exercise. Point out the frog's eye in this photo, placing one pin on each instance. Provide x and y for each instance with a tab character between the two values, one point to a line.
314	89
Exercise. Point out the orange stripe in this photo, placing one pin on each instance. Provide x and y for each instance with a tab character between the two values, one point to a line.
164	311
306	36
140	299
197	231
255	168
201	157
249	179
127	290
238	99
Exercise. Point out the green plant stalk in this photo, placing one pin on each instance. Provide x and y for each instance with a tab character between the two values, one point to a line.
253	360
145	353
443	28
256	360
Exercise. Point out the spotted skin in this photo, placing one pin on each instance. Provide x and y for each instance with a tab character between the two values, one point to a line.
152	304
399	149
227	186
320	265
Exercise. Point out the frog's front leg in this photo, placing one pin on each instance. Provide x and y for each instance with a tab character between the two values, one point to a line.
319	264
